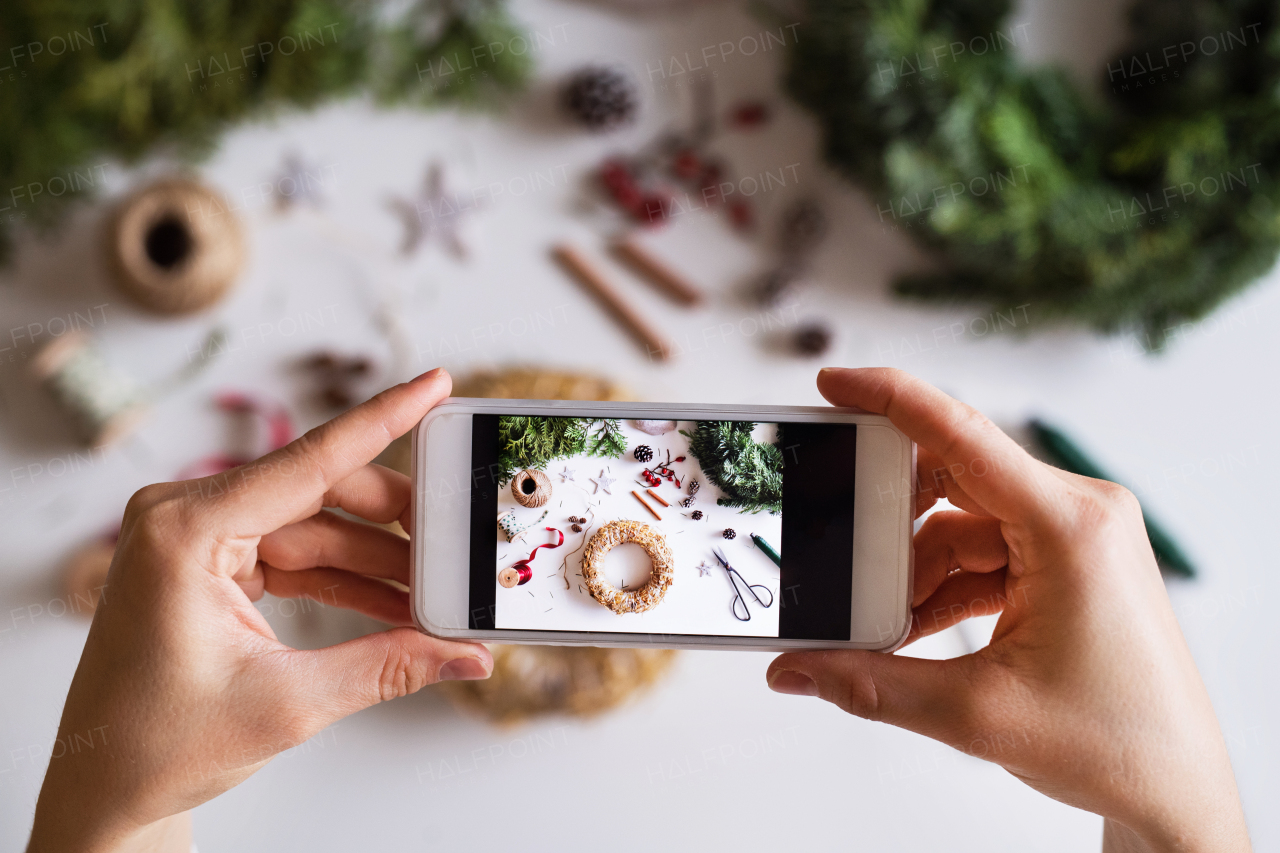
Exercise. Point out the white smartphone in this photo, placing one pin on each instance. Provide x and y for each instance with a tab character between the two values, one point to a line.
683	526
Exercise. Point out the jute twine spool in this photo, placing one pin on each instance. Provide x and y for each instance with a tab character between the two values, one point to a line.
100	403
174	247
531	488
530	681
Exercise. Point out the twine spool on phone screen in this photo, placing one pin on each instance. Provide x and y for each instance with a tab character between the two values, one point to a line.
175	247
101	403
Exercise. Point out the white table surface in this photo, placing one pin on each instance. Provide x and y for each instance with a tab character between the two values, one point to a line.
710	758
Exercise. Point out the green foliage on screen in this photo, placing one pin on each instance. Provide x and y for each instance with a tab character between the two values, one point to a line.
748	473
533	441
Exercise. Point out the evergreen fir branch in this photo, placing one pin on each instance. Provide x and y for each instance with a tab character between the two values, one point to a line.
533	441
748	473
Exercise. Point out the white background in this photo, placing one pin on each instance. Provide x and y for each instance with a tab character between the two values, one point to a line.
719	759
695	603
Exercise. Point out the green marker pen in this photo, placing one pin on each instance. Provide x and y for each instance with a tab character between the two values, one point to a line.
1067	455
767	548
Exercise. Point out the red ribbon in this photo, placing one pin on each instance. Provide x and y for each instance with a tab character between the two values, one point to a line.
522	566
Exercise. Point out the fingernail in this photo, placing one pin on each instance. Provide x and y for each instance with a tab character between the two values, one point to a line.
430	374
793	683
463	669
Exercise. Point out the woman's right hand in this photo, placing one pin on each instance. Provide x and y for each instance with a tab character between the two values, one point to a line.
1087	691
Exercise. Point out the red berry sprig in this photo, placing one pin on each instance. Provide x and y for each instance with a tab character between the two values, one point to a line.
663	471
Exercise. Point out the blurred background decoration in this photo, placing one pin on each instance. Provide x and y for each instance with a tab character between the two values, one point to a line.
106	79
1023	184
1143	202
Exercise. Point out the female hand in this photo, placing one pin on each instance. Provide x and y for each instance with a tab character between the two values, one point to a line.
1087	687
182	679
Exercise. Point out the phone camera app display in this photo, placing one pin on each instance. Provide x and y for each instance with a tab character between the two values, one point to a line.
661	527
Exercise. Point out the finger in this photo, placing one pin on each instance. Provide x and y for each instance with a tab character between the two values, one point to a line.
988	465
342	589
963	596
351	676
931	697
949	541
327	540
935	481
291	482
374	493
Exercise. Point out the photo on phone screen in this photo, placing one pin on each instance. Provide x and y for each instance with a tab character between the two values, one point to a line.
625	526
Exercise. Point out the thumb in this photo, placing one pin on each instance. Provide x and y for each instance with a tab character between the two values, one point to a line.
934	698
351	676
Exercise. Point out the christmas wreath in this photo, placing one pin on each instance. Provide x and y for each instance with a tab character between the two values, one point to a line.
533	441
747	472
1144	208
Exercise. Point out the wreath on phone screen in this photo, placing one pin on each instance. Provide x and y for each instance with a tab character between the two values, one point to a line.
747	472
1142	207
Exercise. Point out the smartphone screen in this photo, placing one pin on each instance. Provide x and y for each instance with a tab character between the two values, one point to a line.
689	528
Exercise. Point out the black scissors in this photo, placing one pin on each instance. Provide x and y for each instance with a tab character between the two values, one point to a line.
738	599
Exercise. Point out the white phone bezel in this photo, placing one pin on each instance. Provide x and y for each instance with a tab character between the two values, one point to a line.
441	518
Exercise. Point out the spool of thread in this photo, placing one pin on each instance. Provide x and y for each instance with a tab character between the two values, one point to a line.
175	247
513	576
519	572
101	403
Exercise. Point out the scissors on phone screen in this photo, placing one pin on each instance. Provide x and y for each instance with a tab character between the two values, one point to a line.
739	605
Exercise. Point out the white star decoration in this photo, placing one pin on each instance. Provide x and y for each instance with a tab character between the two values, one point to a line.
703	569
566	475
432	215
603	482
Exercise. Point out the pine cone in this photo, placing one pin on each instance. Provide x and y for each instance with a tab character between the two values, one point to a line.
730	533
600	98
696	515
812	339
688	502
694	485
643	453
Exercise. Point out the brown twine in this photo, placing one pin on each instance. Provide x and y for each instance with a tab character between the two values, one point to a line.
174	246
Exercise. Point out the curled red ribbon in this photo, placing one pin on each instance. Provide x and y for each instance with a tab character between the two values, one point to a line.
522	566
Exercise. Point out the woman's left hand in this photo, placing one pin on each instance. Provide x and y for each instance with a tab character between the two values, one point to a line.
183	688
